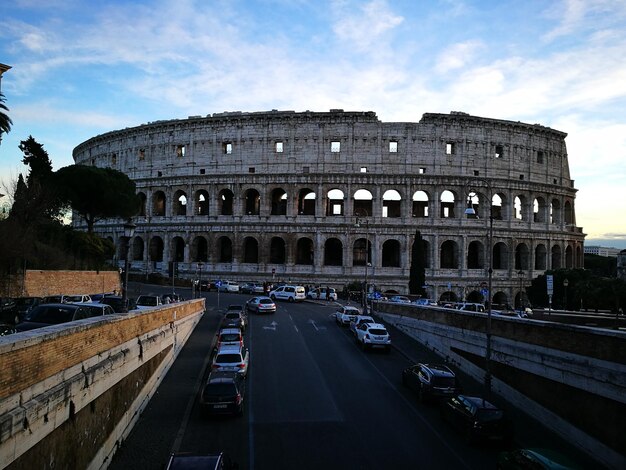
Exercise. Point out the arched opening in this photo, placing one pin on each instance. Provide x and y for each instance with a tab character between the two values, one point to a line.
541	257
178	249
555	211
158	204
475	297
252	202
279	202
156	249
225	250
500	298
475	255
391	254
362	203
137	249
420	204
306	202
304	251
335	202
448	296
202	202
500	256
180	203
522	260
568	213
361	252
518	207
225	202
142	204
250	250
392	204
199	249
277	251
539	210
556	257
333	252
569	257
449	255
447	202
497	206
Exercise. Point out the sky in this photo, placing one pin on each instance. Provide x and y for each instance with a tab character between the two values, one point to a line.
81	68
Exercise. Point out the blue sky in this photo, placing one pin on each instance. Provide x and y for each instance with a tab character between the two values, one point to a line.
82	68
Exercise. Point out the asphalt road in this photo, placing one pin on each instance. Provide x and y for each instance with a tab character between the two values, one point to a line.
314	400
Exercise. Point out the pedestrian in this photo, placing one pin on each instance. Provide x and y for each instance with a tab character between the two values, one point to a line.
327	293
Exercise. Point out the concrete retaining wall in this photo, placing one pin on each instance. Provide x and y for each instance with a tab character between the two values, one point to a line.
69	394
37	283
571	378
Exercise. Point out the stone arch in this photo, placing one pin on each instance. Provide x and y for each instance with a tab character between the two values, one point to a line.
392	204
363	203
250	250
475	255
498	206
305	251
306	202
252	202
156	249
449	255
391	254
137	248
142	203
335	202
180	203
519	206
199	249
569	257
447	202
555	211
278	252
158	204
568	212
224	249
361	252
522	257
178	249
333	252
541	257
556	257
500	256
279	202
420	204
225	201
539	209
500	298
202	202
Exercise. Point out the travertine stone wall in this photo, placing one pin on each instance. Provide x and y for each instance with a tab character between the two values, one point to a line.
38	283
257	157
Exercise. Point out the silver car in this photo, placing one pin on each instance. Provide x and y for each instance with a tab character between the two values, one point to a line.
232	358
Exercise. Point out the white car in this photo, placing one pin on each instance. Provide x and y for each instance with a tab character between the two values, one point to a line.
373	335
346	314
289	293
359	320
233	359
320	294
229	286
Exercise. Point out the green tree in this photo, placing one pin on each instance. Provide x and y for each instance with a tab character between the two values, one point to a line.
37	159
5	120
417	274
97	193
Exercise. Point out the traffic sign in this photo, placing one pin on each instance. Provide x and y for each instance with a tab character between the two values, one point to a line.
218	283
550	284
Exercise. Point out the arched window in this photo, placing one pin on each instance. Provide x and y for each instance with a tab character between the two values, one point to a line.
333	252
392	204
447	205
156	249
475	255
522	260
225	250
279	202
137	249
225	202
335	202
199	249
420	204
361	252
202	202
556	257
391	254
277	251
500	256
362	203
448	257
158	204
304	251
250	250
180	203
142	204
306	202
540	257
252	202
178	249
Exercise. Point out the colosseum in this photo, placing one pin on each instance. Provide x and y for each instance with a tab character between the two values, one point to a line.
337	197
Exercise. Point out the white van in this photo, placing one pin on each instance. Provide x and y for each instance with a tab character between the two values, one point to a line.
289	293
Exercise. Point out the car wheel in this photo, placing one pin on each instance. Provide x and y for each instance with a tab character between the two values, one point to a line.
291	299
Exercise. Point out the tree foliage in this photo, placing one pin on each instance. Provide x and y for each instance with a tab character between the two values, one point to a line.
5	120
97	193
417	275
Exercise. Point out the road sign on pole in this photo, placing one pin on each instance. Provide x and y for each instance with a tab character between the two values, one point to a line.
550	284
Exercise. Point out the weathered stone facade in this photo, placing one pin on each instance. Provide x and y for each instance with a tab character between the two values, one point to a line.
337	197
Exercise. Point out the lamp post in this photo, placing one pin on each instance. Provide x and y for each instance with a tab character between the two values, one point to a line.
200	278
565	284
367	262
129	231
470	211
520	273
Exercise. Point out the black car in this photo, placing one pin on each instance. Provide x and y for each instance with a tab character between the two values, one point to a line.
7	305
55	314
117	303
23	305
477	419
223	393
431	381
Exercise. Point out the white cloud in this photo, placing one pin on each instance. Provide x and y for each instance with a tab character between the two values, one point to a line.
458	56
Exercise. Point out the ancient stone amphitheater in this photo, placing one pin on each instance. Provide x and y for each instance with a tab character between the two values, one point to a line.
337	197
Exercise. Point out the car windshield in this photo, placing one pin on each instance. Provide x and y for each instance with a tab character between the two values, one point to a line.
220	389
232	315
226	358
230	337
73	298
51	314
447	382
489	415
266	301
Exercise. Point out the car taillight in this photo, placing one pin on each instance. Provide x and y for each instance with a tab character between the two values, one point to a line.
241	366
238	399
216	366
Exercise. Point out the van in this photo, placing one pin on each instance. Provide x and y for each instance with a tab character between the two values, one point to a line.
469	307
289	293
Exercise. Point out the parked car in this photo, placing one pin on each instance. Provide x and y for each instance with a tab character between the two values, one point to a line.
229	286
376	296
289	293
400	299
21	306
55	314
431	381
241	309
117	303
345	314
358	321
229	337
223	393
373	335
535	459
261	305
476	418
148	301
76	299
233	359
320	293
234	319
252	288
471	307
424	302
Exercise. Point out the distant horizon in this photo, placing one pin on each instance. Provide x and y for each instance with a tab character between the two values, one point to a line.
606	243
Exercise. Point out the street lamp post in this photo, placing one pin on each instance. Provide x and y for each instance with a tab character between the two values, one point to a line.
200	278
367	262
565	284
470	211
520	273
129	231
